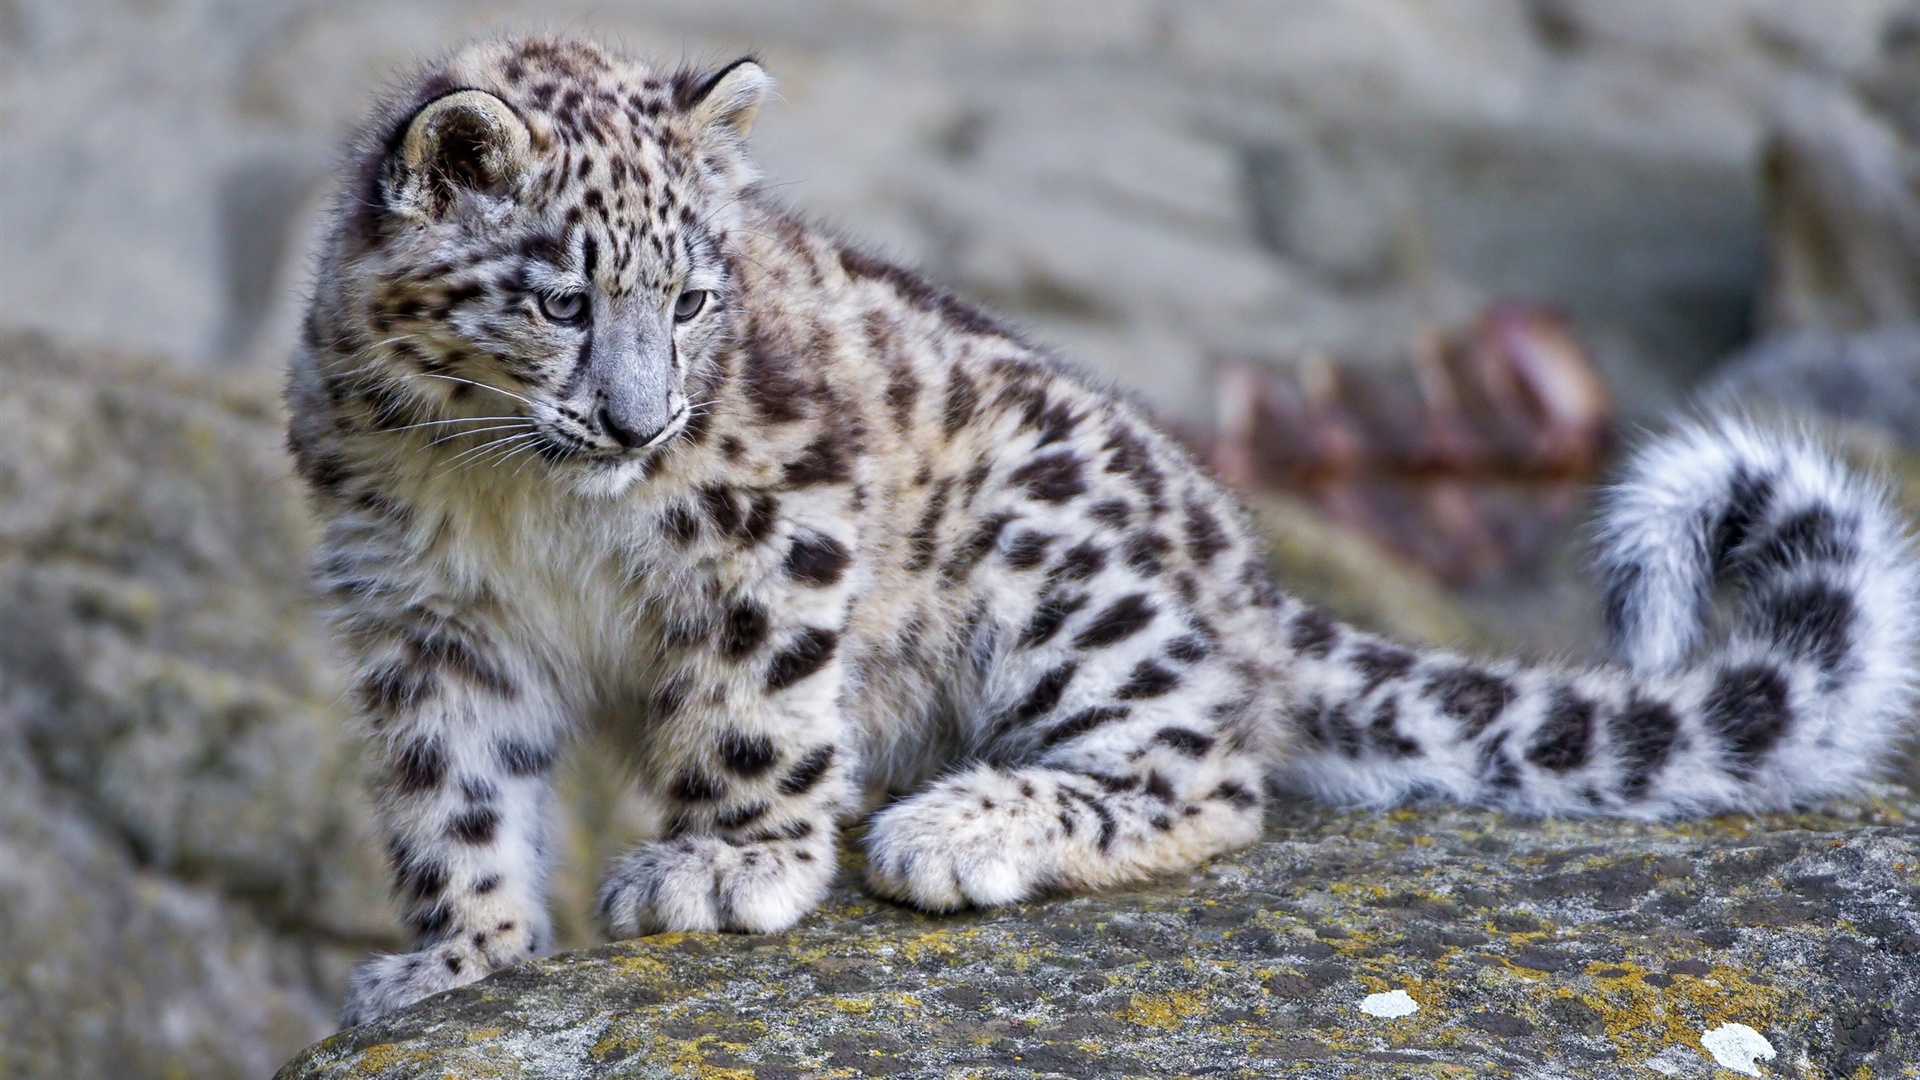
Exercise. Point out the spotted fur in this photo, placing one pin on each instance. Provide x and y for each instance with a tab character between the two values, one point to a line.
601	436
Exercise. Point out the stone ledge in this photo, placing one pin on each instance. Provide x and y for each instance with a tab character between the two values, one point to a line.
1532	949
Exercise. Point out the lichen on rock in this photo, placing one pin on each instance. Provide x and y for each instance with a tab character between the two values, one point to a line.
1530	948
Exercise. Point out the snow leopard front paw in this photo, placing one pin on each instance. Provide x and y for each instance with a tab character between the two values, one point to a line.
393	981
980	839
706	883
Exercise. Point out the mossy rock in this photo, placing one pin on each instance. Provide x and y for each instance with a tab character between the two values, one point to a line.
1530	948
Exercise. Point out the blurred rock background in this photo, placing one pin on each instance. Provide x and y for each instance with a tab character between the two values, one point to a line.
1722	196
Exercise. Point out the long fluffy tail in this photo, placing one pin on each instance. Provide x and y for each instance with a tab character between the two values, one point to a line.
1808	688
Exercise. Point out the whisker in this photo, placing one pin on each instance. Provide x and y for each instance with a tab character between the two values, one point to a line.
454	420
450	436
477	454
531	449
515	452
490	444
470	382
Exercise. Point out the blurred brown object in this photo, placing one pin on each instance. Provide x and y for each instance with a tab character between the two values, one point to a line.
1463	461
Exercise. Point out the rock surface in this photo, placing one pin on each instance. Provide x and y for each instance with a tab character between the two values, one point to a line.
1842	193
1150	184
183	866
1530	949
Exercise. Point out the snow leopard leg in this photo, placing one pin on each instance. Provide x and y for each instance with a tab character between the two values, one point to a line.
465	740
747	747
1132	750
755	798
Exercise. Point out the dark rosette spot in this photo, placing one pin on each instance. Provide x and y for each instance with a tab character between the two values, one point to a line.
1028	549
1205	537
963	400
1748	497
823	461
1313	633
1379	663
1040	700
1054	478
1813	535
520	757
747	755
475	826
1643	734
420	765
817	559
1080	562
1189	648
1383	731
1186	740
810	651
744	630
1054	610
1148	680
1145	551
424	879
978	544
1749	708
1564	737
807	774
1079	723
1470	695
694	785
1122	619
1814	619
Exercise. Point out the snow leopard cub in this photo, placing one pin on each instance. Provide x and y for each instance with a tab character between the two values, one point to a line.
601	436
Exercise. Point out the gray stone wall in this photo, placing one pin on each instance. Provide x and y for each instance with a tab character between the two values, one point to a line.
1151	184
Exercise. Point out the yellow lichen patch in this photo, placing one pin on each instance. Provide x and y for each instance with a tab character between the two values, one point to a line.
1509	968
1362	889
639	966
813	954
1164	1011
380	1057
473	1066
377	1060
1022	959
1643	1017
942	942
1276	920
689	1057
852	1006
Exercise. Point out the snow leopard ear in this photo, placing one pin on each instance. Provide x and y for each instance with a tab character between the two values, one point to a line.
726	101
468	140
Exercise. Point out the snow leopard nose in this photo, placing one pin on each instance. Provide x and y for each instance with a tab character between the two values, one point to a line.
628	379
628	431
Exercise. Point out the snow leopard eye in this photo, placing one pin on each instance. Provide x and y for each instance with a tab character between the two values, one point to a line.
689	304
563	307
